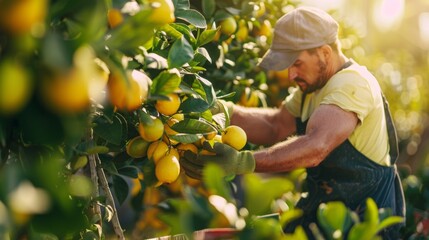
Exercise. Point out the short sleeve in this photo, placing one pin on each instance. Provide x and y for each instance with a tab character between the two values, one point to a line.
293	102
351	92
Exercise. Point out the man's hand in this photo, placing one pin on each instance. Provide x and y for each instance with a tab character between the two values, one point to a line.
229	159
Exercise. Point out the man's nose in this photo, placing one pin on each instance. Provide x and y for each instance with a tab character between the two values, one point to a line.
292	73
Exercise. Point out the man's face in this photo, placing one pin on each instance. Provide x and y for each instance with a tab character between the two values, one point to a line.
308	71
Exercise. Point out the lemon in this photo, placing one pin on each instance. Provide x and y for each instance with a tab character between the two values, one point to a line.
128	94
157	150
167	169
168	107
137	147
181	148
234	136
67	92
20	16
242	32
151	131
114	17
228	26
265	29
249	98
163	11
15	87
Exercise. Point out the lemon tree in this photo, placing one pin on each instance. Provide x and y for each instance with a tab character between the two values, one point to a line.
108	95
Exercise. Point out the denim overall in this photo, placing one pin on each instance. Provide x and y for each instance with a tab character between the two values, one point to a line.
347	175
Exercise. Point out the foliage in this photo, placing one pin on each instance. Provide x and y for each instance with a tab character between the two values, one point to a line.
65	172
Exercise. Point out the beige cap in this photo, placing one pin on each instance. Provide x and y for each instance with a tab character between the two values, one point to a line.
301	29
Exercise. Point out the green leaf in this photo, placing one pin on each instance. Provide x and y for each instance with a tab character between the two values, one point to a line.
120	188
180	53
109	129
129	171
389	222
332	216
166	82
109	166
371	212
186	31
193	126
194	105
215	183
362	231
181	5
288	216
206	36
257	203
203	52
209	92
299	233
171	31
191	16
186	137
208	7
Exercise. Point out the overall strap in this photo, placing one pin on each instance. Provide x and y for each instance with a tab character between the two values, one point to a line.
391	131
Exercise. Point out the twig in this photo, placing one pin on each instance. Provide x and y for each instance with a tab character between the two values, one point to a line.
109	200
95	207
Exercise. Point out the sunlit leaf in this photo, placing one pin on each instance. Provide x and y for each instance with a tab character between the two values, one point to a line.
166	82
362	231
257	203
288	216
206	36
186	32
193	126
186	137
389	222
191	16
203	52
371	212
213	179
298	234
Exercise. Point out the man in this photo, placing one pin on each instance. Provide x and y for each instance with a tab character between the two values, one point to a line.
344	132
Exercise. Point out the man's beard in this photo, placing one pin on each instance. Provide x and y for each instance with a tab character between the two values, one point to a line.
320	82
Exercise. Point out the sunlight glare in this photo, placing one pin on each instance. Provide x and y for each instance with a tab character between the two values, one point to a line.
424	26
388	14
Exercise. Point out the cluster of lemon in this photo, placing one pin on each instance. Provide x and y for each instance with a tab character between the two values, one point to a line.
239	28
155	142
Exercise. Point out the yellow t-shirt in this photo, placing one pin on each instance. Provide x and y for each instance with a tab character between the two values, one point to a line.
356	90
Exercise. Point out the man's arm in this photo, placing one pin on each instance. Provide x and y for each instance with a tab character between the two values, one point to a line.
328	127
264	126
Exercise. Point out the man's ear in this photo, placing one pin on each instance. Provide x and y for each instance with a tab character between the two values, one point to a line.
326	51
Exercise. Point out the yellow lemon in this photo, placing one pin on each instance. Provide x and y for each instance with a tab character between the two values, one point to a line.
114	17
20	16
151	131
228	26
15	87
181	148
163	11
242	32
168	107
234	136
157	150
137	147
128	94
167	169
